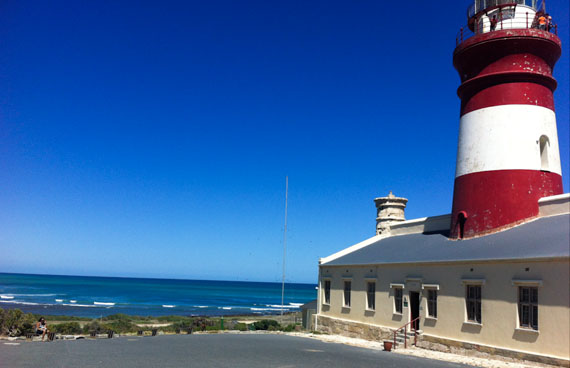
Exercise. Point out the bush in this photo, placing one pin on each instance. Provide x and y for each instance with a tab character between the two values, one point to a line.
96	327
67	328
289	328
122	326
267	324
14	322
240	327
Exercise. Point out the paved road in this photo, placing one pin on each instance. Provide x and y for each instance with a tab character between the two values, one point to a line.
212	350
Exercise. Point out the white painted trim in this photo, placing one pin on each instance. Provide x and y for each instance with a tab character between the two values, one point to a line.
554	205
472	323
430	286
394	285
413	226
519	282
473	281
351	249
506	137
527	330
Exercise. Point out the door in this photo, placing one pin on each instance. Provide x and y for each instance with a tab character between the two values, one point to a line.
415	308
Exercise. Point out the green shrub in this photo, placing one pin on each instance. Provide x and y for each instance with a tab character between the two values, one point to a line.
96	327
14	322
119	316
67	328
265	324
289	328
121	326
240	327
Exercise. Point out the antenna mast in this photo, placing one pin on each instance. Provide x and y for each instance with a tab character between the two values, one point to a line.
284	247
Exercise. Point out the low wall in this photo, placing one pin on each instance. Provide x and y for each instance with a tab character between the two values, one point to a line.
460	347
358	330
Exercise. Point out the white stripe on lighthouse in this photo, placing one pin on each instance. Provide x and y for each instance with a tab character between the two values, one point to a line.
507	137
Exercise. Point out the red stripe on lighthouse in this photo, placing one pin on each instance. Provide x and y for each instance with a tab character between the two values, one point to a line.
495	199
509	94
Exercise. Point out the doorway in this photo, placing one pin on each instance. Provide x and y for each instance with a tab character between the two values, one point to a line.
415	308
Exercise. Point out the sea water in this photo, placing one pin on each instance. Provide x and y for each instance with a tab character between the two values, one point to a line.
86	296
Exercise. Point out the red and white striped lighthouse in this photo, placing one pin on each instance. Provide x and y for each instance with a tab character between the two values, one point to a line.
507	156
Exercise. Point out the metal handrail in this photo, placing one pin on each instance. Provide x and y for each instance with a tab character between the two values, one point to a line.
405	327
529	23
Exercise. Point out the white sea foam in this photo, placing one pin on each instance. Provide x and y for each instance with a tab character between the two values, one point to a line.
80	305
6	297
73	301
35	294
168	306
281	306
104	304
297	305
23	303
59	300
266	309
200	306
227	308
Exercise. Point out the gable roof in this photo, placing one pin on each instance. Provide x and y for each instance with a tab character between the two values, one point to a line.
546	237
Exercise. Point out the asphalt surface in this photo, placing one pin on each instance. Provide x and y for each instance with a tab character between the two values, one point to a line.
208	350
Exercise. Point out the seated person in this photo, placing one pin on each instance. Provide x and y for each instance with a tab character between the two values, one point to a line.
41	328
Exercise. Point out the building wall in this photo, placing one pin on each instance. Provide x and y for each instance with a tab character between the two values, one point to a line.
499	301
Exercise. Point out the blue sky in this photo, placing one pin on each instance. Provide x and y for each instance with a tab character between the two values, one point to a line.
153	138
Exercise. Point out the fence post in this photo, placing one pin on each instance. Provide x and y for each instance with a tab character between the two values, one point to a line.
527	20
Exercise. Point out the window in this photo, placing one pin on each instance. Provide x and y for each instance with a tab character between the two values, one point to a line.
327	291
528	307
398	300
432	303
473	301
544	143
371	296
347	287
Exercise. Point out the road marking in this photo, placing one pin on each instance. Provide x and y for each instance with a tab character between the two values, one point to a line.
11	343
314	351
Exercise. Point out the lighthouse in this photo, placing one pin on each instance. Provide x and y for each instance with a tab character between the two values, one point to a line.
507	156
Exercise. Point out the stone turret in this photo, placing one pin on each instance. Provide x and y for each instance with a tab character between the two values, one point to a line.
390	209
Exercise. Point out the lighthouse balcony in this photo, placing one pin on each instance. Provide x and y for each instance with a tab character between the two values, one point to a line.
486	16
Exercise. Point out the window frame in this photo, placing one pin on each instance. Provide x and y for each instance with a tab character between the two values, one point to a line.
473	304
532	315
398	300
370	296
327	291
346	293
432	303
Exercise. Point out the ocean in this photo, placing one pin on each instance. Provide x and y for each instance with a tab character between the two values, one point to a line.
86	296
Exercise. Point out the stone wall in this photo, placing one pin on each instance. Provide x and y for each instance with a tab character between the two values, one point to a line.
341	327
464	348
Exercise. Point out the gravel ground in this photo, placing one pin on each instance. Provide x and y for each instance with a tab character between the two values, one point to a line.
483	360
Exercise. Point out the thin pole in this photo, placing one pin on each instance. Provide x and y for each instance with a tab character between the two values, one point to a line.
284	247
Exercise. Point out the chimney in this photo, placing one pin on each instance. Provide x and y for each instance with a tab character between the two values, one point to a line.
389	209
